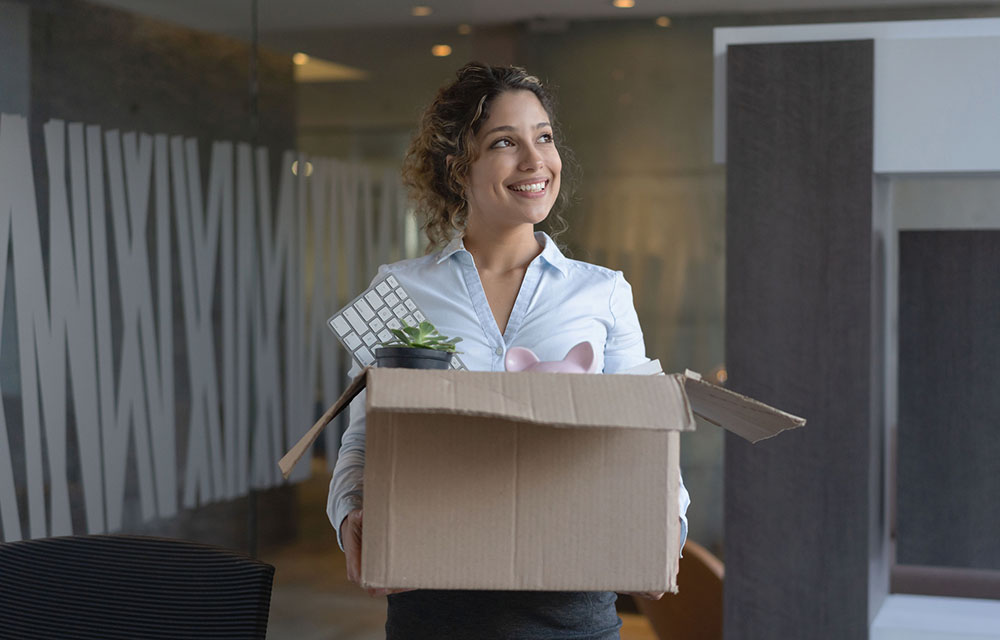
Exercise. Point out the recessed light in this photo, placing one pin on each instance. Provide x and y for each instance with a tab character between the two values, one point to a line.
421	10
663	21
300	58
623	4
309	168
465	29
440	50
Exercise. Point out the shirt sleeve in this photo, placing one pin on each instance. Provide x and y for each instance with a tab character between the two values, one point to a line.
684	501
624	349
347	484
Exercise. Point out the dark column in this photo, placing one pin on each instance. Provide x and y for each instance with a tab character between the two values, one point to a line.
799	336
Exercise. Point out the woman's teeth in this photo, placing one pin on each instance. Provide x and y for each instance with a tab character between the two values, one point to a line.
534	186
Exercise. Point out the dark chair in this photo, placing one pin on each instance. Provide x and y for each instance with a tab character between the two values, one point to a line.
111	587
695	612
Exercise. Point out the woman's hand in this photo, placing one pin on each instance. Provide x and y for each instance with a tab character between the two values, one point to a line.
351	534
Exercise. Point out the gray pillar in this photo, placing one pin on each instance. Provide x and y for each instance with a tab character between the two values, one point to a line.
800	288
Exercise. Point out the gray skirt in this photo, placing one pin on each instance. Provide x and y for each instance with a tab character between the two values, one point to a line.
502	615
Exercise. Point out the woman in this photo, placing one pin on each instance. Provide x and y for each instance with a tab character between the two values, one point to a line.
484	169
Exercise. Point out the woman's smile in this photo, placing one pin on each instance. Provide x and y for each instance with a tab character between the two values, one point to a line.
535	188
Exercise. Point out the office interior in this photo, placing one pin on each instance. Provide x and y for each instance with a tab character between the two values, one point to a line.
897	498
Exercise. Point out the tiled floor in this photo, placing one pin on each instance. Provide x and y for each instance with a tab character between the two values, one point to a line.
312	599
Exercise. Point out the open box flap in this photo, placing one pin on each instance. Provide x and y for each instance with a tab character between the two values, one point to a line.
751	420
288	461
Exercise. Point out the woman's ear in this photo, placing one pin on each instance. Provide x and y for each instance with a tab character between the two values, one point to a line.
520	359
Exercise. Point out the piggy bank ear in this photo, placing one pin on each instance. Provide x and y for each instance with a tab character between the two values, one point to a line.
582	355
520	359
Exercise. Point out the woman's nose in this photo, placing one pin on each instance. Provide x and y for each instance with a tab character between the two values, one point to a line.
531	160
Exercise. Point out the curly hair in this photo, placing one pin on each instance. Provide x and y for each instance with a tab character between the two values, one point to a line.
448	127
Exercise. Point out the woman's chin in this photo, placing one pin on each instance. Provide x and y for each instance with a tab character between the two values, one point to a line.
538	214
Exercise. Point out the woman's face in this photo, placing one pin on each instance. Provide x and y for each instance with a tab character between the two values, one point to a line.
515	179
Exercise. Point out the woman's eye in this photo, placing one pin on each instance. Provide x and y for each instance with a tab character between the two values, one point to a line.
546	137
501	144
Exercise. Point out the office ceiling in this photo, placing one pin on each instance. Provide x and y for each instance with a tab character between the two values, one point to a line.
233	16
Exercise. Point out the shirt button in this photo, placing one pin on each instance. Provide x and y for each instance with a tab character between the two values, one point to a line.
499	351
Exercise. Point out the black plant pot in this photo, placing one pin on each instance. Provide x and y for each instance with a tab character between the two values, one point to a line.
411	358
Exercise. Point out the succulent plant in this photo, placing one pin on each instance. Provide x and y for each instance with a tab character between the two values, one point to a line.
422	336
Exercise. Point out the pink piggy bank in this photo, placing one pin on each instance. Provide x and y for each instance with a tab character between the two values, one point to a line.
580	359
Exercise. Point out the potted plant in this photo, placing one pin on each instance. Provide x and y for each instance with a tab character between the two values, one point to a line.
419	347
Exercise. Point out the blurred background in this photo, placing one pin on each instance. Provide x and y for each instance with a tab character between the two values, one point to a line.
332	92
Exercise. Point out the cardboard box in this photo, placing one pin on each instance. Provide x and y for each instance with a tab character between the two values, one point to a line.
531	481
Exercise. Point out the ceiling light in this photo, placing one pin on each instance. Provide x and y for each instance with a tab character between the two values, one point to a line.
300	58
464	29
663	21
309	168
440	50
623	4
319	70
421	10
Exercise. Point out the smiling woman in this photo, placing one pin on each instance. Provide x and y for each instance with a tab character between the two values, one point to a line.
484	169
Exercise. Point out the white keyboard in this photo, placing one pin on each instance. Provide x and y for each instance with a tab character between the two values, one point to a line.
366	320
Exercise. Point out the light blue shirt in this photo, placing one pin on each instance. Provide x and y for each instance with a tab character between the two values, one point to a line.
561	303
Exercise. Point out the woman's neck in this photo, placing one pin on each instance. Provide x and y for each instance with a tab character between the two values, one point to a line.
501	252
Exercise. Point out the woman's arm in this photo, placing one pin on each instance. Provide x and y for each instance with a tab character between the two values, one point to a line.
347	484
624	349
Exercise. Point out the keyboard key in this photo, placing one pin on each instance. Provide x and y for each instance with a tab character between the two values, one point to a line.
410	304
365	356
365	310
392	281
393	324
385	313
370	339
352	341
400	311
384	335
419	316
355	320
373	299
376	324
382	288
410	321
340	325
391	300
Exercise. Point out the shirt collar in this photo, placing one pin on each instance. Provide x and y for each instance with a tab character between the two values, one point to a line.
550	252
452	247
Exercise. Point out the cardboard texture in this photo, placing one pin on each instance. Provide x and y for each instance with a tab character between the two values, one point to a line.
530	481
